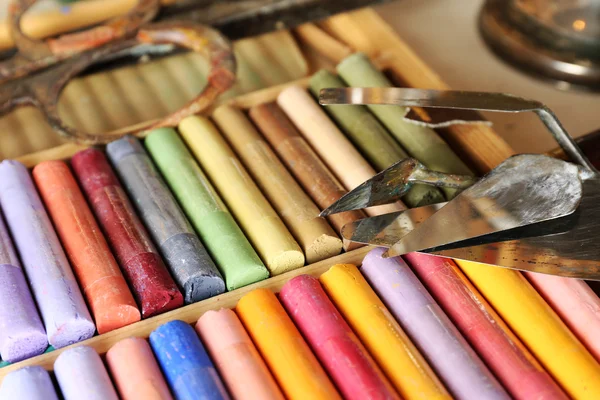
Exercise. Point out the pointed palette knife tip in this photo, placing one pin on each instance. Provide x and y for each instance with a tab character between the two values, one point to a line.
392	183
386	229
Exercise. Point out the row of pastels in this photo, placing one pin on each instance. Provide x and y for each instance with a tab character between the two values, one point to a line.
145	227
369	333
373	333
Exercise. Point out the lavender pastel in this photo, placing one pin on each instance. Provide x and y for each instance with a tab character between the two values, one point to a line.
64	312
29	383
22	334
81	375
430	329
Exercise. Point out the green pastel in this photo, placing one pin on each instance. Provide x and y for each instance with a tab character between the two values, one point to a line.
220	234
371	138
419	141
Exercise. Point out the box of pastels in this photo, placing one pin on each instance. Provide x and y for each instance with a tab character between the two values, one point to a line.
191	263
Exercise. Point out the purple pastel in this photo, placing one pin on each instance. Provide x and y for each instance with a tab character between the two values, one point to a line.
29	383
63	310
22	334
430	329
81	375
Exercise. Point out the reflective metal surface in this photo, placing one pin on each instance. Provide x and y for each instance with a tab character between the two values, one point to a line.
394	182
571	252
523	190
460	100
532	212
385	230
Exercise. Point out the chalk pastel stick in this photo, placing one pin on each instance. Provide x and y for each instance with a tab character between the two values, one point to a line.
505	355
296	209
419	141
243	370
103	284
576	304
289	358
185	364
301	160
340	352
371	138
449	354
265	230
22	334
153	286
329	142
184	254
81	375
538	326
135	371
31	383
62	307
219	232
380	333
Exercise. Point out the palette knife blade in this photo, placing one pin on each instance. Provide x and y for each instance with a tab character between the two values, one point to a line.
523	190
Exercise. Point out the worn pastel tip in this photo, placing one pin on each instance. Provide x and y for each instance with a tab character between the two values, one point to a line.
285	261
22	334
201	287
71	332
161	302
24	345
117	316
323	247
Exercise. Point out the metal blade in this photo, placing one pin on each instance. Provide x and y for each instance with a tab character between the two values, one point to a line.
394	182
462	100
571	252
406	97
385	230
523	190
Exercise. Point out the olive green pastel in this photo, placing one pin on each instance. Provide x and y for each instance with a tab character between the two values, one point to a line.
224	240
371	138
421	142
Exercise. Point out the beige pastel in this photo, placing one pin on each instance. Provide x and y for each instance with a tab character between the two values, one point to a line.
347	164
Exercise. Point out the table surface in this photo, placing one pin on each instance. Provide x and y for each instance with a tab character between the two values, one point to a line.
444	33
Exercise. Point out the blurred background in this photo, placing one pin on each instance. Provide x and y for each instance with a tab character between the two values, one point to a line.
445	35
